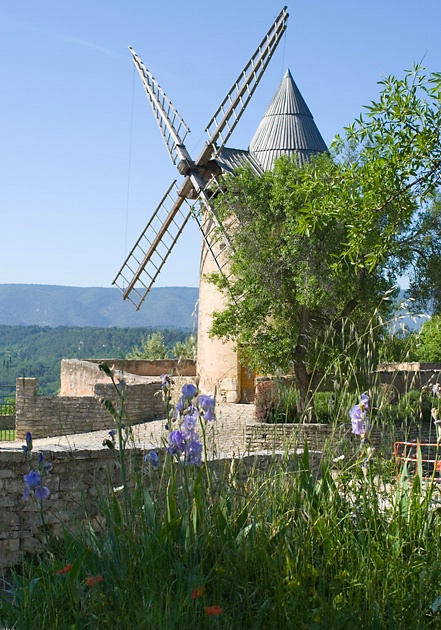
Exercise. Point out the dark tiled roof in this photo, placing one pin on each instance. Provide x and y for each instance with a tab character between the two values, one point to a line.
287	128
230	159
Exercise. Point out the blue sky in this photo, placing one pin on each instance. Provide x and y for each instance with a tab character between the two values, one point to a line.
82	163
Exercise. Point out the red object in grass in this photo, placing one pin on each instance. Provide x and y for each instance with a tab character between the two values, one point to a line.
212	611
64	570
94	580
198	592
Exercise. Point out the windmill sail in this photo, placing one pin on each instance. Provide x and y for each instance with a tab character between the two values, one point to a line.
171	124
232	107
151	250
153	247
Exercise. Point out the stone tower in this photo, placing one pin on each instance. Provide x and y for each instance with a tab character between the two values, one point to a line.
287	128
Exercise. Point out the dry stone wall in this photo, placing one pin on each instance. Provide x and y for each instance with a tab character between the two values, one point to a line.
77	481
46	416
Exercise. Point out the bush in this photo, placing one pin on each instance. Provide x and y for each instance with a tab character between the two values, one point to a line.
325	406
416	405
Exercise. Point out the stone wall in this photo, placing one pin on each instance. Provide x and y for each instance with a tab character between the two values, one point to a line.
79	408
79	377
76	482
263	436
412	375
46	416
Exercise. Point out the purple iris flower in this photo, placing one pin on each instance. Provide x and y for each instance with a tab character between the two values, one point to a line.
194	452
27	448
33	482
166	380
32	479
177	440
207	404
41	493
152	458
179	406
189	390
358	416
29	440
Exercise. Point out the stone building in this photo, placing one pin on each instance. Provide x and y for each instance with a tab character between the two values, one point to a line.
287	128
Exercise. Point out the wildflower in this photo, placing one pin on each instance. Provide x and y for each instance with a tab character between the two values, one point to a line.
338	459
189	390
152	458
166	381
179	406
177	440
212	611
94	580
358	416
194	452
32	479
207	404
65	569
33	483
198	592
41	493
189	423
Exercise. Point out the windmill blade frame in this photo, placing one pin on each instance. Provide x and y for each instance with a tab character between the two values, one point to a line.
150	252
244	86
170	122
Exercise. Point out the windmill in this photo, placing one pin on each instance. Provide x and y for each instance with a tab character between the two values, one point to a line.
193	198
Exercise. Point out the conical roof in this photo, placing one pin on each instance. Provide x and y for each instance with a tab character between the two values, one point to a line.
287	128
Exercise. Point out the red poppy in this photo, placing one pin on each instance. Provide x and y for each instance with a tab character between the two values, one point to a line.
64	570
94	580
213	610
198	592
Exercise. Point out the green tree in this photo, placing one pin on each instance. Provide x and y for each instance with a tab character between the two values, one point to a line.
186	349
398	346
317	246
428	345
152	348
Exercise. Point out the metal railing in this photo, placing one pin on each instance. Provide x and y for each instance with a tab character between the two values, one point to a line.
7	418
415	454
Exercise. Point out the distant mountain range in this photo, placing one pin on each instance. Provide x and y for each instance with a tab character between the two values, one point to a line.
50	305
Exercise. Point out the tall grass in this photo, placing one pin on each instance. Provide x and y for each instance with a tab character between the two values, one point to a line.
278	547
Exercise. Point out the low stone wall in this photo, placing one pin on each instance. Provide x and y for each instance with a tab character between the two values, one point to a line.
46	416
412	375
79	377
76	482
264	436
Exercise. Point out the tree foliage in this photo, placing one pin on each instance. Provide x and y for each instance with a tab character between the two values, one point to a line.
186	349
152	348
428	344
318	246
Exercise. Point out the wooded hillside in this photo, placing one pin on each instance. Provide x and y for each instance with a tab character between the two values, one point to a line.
35	351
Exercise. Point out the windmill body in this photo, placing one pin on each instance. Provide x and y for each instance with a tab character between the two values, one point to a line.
286	128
